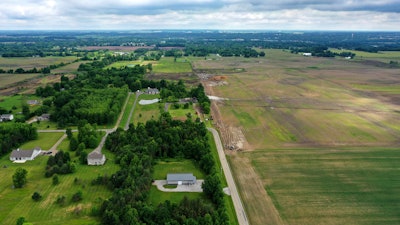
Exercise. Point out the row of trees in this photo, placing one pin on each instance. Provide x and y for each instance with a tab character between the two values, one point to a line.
136	151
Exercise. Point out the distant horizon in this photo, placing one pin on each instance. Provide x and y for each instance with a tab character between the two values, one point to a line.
189	30
307	15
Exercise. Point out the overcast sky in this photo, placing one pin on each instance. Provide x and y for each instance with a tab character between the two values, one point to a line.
200	14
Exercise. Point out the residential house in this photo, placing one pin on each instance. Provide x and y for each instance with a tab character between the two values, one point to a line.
152	91
96	158
7	117
181	178
44	117
24	155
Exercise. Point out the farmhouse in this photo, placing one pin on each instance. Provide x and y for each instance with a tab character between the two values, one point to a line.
23	155
96	158
6	117
44	117
181	178
152	91
32	102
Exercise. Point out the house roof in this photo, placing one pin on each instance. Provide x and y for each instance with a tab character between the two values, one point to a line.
7	116
23	153
180	176
95	155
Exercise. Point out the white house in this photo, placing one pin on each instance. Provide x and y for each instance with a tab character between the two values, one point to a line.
23	155
96	158
307	54
7	117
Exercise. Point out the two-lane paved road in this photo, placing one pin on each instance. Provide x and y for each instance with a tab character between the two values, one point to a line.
237	203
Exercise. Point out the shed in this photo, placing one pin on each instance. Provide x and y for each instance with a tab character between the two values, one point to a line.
96	158
23	155
181	178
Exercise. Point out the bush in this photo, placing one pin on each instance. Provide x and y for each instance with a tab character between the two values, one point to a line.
60	200
36	196
77	197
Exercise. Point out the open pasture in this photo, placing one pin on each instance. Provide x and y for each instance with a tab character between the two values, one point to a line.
288	101
168	65
7	79
17	202
31	62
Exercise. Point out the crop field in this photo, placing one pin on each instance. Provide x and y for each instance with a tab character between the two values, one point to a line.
68	69
285	103
31	62
7	79
18	202
130	63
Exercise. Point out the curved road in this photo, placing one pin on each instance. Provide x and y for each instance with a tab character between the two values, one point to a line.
237	202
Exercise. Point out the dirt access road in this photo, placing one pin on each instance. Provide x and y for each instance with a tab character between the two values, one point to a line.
237	202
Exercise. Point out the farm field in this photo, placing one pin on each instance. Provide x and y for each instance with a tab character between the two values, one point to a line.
31	62
289	104
18	202
167	65
7	79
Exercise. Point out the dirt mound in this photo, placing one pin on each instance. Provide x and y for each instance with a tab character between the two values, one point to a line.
219	78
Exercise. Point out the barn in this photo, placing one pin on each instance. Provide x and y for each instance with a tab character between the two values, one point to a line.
181	178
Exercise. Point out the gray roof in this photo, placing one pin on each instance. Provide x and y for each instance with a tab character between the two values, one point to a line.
6	116
23	153
180	176
95	155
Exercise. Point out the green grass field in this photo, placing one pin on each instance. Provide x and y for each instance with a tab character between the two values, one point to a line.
45	141
144	113
17	202
181	113
167	65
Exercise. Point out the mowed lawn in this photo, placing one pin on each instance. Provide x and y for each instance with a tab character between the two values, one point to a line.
332	186
18	202
144	113
45	141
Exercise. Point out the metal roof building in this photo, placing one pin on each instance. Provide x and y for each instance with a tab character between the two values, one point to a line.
181	178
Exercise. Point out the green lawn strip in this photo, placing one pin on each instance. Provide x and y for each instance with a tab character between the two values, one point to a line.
45	125
230	209
128	109
156	196
181	113
357	186
18	202
45	141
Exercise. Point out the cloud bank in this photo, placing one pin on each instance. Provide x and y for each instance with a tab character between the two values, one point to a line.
200	14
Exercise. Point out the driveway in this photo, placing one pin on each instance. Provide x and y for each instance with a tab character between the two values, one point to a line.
180	188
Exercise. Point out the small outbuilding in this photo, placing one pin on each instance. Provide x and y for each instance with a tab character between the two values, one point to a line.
96	159
24	155
181	178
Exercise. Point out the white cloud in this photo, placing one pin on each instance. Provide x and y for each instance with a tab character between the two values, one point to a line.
201	14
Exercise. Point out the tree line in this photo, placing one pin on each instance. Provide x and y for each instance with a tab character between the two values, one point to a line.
13	135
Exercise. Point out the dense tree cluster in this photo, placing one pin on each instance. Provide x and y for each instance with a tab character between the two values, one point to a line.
136	150
59	164
14	134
